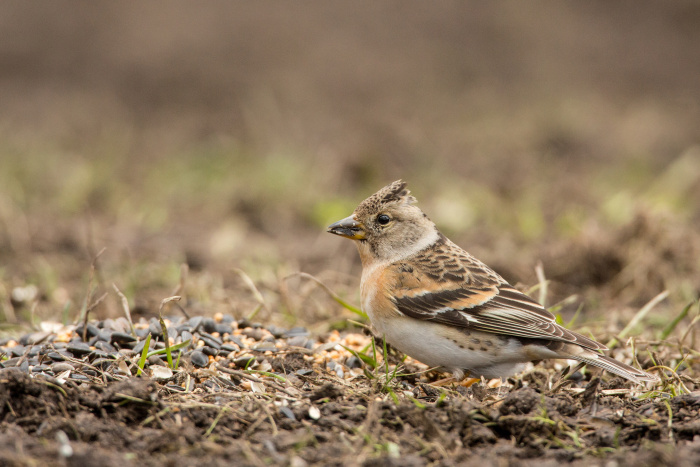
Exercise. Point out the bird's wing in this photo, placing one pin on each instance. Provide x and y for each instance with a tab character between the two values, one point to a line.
447	285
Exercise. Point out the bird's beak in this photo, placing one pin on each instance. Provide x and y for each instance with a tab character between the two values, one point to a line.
349	228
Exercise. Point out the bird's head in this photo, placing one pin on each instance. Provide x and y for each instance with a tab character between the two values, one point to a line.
387	225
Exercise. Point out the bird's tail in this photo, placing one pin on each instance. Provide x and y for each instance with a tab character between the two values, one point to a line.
613	366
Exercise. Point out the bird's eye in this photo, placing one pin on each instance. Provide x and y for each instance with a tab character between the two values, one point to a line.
383	219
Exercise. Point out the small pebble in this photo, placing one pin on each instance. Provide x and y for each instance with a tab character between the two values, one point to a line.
121	324
184	327
59	355
314	413
139	347
109	324
60	367
154	328
195	322
105	346
34	338
211	342
12	362
230	348
265	347
18	350
199	359
287	412
244	361
122	338
298	341
99	354
155	360
294	332
161	372
78	377
209	351
227	319
79	348
102	363
212	385
237	340
209	325
186	336
276	331
105	335
92	330
353	362
256	334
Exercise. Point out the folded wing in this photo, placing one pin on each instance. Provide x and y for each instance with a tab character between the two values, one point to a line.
485	304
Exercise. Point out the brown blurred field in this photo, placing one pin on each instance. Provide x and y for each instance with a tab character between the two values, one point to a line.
225	136
228	135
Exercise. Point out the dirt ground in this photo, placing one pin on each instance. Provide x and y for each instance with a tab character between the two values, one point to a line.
166	149
138	421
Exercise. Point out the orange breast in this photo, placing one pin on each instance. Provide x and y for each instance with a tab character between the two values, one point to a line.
376	292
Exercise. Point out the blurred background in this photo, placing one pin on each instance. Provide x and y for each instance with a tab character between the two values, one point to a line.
227	135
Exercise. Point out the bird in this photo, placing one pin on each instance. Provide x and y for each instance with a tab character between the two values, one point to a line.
433	301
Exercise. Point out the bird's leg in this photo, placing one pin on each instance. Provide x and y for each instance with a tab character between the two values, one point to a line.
444	381
467	382
460	378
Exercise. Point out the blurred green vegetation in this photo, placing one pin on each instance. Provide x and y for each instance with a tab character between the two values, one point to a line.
235	145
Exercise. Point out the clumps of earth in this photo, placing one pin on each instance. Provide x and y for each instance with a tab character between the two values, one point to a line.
243	393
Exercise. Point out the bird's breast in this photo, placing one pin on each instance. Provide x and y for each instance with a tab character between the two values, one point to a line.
375	293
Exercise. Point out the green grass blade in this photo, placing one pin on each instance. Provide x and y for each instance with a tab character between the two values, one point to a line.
575	317
172	348
267	373
177	362
144	355
386	360
334	296
638	317
364	358
168	352
672	325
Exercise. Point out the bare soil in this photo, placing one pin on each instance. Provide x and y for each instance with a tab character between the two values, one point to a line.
207	148
139	422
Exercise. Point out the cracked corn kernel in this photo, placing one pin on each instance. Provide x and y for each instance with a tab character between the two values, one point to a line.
334	336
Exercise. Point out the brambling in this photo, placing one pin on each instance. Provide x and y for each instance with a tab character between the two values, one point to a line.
437	303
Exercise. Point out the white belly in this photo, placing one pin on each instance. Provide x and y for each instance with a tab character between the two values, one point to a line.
438	345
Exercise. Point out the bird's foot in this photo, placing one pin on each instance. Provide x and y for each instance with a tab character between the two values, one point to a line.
444	381
467	382
460	379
